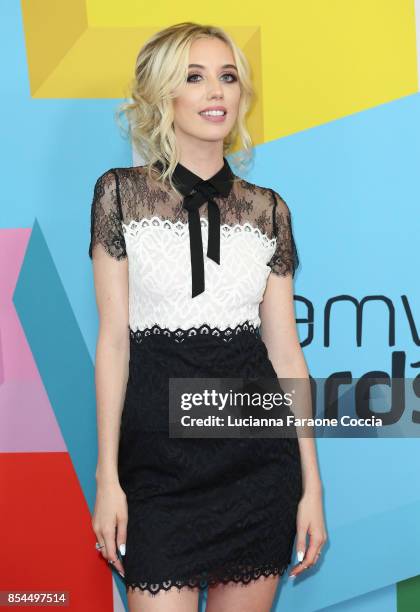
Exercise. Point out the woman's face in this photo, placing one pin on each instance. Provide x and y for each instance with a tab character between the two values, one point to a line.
212	83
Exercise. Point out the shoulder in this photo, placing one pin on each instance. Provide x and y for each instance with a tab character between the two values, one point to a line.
116	181
114	175
106	177
268	196
106	183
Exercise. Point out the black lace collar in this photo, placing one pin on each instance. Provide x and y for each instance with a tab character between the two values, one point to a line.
196	192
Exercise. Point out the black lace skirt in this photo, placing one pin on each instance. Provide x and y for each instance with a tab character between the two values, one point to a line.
201	510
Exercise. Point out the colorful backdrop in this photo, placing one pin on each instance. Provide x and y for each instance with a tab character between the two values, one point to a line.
337	134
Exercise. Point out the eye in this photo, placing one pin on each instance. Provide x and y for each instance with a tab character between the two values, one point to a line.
230	74
190	78
232	77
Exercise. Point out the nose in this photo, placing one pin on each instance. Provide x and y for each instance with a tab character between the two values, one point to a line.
214	88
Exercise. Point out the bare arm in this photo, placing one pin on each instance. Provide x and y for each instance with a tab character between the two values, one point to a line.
112	356
279	334
110	269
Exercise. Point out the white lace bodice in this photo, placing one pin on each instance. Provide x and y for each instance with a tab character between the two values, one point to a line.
135	217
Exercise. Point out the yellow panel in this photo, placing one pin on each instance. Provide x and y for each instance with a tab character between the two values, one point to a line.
325	59
51	28
313	60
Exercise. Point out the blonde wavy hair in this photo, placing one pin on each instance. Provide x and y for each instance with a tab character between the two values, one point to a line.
161	67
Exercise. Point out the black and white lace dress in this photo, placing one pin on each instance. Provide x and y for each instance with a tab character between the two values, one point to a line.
200	510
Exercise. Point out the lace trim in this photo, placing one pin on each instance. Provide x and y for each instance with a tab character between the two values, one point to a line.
179	334
240	574
179	228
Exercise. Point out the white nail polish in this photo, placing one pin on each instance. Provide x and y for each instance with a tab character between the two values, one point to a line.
300	556
122	549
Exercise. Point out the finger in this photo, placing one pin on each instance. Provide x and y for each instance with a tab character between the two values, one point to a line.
297	569
314	546
117	565
300	552
100	545
121	538
111	552
319	552
301	545
101	539
304	565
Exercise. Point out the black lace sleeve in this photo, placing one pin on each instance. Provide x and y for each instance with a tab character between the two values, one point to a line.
106	216
285	259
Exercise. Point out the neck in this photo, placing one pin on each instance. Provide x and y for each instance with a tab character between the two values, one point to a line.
201	157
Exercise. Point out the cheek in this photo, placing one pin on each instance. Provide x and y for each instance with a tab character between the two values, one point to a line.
184	107
233	98
179	106
236	96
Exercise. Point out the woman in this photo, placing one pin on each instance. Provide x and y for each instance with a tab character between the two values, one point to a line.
189	514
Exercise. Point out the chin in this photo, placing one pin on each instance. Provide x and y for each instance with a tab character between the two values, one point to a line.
210	138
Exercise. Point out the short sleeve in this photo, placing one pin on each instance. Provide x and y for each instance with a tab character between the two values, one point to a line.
285	259
106	217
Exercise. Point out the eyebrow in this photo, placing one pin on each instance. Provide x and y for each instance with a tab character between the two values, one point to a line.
223	67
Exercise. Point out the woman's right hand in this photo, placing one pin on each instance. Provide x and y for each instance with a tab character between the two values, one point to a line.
109	520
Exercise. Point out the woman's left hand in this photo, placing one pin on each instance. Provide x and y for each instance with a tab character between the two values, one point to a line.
310	520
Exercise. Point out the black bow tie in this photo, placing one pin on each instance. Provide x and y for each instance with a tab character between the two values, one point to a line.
196	192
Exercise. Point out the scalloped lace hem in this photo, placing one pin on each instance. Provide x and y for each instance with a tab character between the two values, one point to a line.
179	334
241	575
180	228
